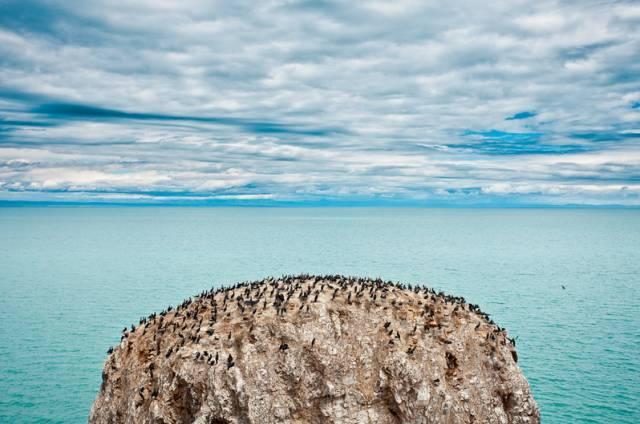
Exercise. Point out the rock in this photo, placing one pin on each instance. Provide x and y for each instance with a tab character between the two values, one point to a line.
315	349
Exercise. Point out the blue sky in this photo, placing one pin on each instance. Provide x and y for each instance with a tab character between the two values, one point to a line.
372	102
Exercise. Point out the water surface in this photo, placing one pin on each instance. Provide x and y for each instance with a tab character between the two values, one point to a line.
71	278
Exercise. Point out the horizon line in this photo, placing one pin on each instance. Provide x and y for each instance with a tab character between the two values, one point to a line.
390	204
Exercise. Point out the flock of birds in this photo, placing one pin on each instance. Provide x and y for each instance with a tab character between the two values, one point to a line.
203	321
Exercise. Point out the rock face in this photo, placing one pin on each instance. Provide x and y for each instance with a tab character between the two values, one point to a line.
310	349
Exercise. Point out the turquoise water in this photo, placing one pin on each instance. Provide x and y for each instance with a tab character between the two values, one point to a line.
71	278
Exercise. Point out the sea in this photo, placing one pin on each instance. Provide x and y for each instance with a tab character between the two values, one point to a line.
564	282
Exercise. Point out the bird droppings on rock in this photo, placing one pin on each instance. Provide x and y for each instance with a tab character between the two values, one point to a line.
307	349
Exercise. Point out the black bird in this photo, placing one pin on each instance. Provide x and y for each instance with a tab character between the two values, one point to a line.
563	287
387	324
230	362
284	347
110	351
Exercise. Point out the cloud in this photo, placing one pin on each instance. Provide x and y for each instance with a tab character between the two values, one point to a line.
73	111
494	142
435	103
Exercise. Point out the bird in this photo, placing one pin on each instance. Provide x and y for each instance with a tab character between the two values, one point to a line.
563	287
230	362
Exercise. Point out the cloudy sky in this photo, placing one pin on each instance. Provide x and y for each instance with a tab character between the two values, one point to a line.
418	102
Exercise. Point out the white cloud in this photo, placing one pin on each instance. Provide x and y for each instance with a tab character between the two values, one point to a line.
401	83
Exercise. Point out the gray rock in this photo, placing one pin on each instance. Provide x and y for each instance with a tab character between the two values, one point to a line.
305	359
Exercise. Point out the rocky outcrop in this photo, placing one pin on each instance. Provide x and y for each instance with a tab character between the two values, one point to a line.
307	349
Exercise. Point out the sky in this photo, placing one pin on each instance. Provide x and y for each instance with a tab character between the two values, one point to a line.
449	103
